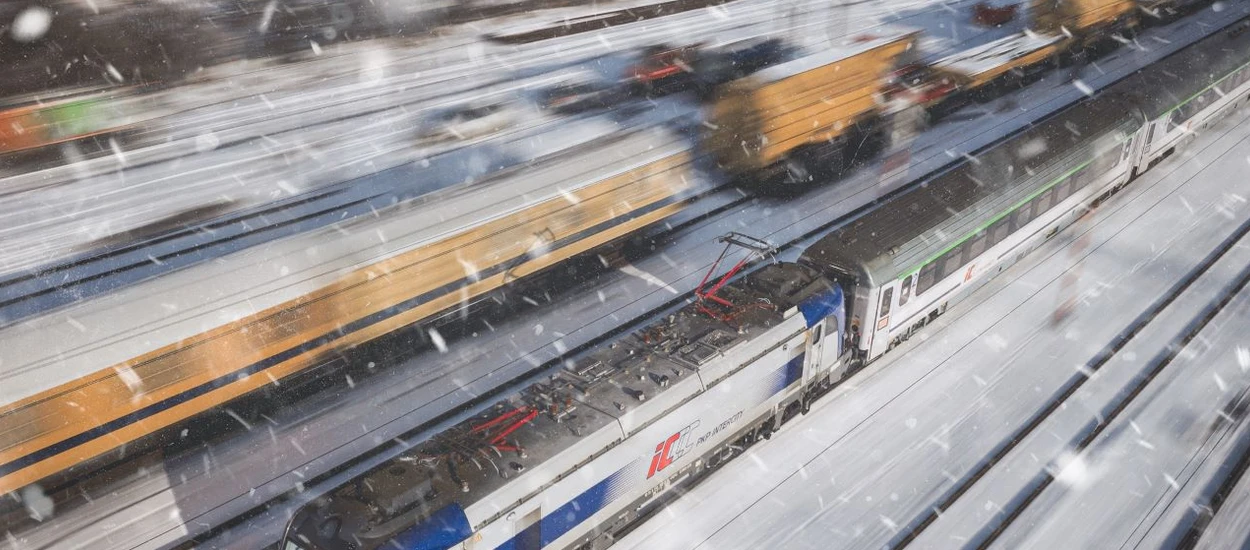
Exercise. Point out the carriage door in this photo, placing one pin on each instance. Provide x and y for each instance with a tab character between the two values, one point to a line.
824	349
815	346
1136	150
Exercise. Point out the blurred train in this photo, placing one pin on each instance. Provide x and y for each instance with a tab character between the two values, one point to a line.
796	121
32	122
66	60
582	454
761	129
89	379
81	384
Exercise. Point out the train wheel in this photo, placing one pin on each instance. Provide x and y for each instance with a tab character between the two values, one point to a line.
798	171
1134	27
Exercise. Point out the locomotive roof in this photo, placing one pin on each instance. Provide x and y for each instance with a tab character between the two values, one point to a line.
903	233
610	384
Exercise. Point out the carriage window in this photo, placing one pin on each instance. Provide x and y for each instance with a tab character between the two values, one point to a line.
1064	190
999	231
1103	164
904	292
885	301
926	278
974	248
950	262
1045	202
1021	218
1078	179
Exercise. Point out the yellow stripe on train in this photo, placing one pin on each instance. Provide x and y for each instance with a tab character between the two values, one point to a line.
70	410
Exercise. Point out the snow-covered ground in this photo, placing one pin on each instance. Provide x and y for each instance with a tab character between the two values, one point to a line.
198	490
871	462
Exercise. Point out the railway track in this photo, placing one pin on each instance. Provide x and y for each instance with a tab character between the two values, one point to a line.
312	484
204	234
1189	534
947	486
1153	368
195	235
84	275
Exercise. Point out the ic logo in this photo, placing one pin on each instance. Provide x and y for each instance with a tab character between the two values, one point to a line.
672	449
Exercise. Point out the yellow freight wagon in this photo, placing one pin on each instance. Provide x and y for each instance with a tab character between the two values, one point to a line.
1086	21
797	118
1014	57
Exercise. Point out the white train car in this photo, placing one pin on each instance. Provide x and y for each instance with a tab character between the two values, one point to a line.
80	382
903	263
1184	94
573	460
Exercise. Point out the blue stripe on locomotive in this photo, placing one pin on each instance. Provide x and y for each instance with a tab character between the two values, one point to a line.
822	304
442	530
829	303
791	373
555	524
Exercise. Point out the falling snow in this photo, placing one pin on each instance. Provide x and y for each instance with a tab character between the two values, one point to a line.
381	224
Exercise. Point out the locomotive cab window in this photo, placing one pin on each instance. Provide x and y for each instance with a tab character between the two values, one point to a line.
904	292
886	298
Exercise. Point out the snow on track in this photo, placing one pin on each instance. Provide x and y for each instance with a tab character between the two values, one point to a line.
871	461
